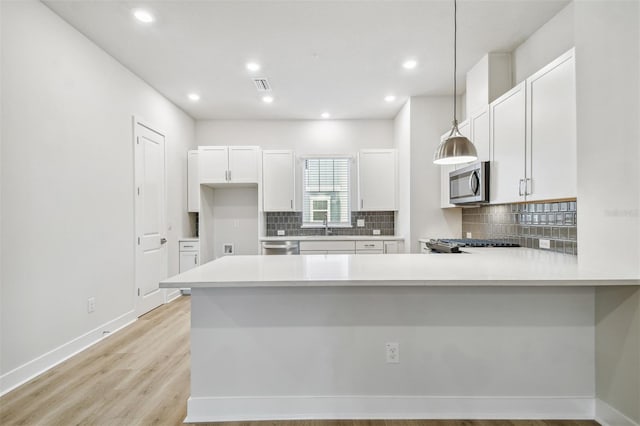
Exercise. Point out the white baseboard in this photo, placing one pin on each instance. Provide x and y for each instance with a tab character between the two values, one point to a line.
606	415
173	295
37	366
219	409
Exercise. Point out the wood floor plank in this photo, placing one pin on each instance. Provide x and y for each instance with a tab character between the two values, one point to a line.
140	376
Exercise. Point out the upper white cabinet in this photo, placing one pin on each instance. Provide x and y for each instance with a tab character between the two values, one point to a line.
551	167
228	164
377	180
533	137
479	132
193	182
278	180
507	129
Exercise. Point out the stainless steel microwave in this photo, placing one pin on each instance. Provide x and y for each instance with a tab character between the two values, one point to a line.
470	184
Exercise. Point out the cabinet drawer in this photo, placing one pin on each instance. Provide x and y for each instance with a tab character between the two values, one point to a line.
369	245
189	245
327	245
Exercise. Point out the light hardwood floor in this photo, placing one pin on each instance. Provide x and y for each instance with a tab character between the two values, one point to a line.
140	376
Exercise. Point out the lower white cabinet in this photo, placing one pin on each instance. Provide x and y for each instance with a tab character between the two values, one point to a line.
189	254
349	247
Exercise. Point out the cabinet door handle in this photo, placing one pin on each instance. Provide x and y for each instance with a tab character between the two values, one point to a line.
362	204
520	187
291	204
229	176
528	186
195	259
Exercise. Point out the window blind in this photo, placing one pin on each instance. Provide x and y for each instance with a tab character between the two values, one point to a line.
326	191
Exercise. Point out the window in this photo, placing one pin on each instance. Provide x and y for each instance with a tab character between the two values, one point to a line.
326	191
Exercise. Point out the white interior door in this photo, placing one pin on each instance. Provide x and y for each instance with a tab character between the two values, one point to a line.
151	247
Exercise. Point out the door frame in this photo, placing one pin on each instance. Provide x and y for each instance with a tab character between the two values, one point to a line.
138	120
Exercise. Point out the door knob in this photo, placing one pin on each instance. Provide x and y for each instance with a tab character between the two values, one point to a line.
163	240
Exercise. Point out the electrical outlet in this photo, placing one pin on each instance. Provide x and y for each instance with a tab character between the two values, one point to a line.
360	223
545	244
280	232
469	235
91	304
393	352
376	232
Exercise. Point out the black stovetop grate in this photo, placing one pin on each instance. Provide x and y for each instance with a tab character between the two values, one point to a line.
473	242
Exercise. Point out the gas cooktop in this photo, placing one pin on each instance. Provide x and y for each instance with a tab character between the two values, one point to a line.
473	242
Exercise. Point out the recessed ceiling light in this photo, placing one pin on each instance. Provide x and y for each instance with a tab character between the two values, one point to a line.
410	64
325	115
389	98
267	99
252	66
143	16
194	97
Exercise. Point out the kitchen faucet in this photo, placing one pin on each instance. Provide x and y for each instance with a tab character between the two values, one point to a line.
325	222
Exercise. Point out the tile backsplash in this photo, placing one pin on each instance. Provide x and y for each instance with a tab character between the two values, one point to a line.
525	224
291	223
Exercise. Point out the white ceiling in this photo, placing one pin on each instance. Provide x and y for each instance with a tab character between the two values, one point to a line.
338	56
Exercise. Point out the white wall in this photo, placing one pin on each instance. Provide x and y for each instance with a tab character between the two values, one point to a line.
550	41
303	136
67	186
430	118
402	142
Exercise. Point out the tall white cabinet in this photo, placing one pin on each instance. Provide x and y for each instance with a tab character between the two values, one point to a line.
377	180
278	181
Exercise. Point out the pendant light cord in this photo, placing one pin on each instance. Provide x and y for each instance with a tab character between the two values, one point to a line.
455	59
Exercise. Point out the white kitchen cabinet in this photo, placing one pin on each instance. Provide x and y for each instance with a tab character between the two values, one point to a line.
391	247
189	254
507	130
551	167
377	180
228	164
479	132
533	137
278	180
327	247
370	247
193	182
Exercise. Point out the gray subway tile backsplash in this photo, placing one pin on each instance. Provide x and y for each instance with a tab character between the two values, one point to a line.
291	224
525	224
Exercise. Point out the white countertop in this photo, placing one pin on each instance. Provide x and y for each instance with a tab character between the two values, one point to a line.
333	238
474	267
189	239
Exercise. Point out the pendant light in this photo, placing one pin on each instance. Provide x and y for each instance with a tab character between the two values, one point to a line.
456	149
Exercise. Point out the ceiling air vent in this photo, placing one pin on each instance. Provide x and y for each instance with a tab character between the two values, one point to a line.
262	84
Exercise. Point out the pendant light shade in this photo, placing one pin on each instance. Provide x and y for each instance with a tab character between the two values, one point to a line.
456	149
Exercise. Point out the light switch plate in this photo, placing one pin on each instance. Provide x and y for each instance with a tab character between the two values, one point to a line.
469	235
280	232
360	223
376	232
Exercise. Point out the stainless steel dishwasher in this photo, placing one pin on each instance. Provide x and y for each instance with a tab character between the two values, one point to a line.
280	247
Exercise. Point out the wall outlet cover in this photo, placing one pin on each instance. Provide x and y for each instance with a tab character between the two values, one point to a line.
392	352
545	244
227	249
469	235
360	223
280	232
376	232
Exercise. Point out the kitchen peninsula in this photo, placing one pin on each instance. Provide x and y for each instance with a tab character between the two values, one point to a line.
491	333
